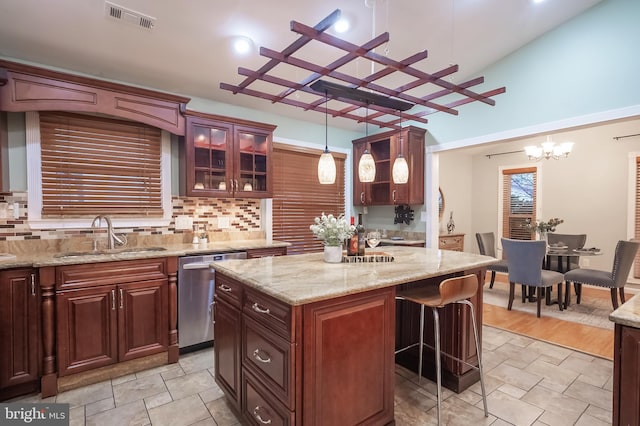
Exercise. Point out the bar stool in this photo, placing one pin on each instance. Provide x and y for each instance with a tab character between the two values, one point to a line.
452	290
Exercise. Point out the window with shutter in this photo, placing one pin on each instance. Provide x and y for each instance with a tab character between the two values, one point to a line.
519	202
93	165
298	197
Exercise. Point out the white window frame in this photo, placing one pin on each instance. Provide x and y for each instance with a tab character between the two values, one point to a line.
501	169
34	186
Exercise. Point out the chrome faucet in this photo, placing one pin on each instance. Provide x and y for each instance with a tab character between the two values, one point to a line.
112	238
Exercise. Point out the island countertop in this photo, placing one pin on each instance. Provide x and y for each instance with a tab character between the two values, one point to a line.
306	278
628	313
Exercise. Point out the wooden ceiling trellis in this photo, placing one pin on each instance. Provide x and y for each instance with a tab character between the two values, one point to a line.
383	105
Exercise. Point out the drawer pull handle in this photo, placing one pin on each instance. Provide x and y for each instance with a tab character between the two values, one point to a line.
121	299
256	355
224	288
259	309
33	284
113	300
256	414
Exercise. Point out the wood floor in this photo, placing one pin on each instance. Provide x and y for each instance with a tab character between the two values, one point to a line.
592	340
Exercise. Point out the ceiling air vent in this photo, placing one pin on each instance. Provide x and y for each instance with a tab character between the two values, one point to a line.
128	16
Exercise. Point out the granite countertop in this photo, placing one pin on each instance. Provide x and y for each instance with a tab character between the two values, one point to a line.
41	259
628	313
305	278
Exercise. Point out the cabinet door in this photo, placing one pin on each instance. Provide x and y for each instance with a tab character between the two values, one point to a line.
252	176
143	321
19	329
227	349
209	158
626	378
345	361
87	329
361	190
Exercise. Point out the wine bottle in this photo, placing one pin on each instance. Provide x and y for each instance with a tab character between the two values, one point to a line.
352	243
361	235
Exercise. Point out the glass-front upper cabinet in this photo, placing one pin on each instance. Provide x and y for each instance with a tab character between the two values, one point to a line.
227	159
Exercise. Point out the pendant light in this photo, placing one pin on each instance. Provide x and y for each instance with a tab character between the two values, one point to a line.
326	164
366	165
400	171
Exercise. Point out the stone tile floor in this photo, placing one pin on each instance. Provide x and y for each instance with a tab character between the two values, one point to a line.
529	382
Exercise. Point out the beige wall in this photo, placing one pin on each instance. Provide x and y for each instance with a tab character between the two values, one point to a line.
589	189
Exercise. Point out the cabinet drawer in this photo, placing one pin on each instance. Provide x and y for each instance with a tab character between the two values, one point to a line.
270	358
269	312
260	407
453	242
229	290
109	273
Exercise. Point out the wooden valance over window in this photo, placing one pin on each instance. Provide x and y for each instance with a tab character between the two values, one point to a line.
29	88
96	165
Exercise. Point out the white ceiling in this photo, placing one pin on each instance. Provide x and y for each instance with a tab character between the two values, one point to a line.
187	52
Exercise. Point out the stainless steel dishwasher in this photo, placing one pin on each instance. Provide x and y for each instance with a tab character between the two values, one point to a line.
196	282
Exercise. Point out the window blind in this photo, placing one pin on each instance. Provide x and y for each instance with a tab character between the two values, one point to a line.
519	202
94	165
298	197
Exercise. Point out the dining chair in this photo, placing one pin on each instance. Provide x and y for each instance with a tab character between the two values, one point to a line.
572	241
487	247
615	279
524	260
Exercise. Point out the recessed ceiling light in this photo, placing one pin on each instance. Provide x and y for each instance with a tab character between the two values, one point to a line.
341	26
538	1
242	45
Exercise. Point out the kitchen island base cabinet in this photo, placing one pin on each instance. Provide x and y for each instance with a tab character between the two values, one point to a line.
348	357
626	386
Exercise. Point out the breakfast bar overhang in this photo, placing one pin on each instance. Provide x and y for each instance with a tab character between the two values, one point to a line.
300	341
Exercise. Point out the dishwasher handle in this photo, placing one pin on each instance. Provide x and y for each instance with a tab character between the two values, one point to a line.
192	266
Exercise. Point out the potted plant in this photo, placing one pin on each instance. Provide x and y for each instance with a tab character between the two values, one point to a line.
333	231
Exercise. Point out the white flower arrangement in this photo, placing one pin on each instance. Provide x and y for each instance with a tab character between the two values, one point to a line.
332	230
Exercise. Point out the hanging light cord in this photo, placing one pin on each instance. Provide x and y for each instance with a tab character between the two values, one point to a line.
326	122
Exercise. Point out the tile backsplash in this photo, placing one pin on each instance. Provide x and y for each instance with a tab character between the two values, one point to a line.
240	219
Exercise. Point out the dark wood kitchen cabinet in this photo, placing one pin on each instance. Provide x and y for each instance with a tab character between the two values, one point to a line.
385	147
20	353
225	157
110	312
626	376
268	354
265	252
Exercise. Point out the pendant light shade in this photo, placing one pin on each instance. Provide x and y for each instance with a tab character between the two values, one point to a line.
366	165
326	168
326	164
400	171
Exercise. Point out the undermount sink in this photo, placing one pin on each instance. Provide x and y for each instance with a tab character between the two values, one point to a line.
132	250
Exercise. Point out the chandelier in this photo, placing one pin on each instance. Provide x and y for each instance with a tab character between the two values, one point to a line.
548	150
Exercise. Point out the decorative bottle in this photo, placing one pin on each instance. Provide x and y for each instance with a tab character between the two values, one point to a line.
361	235
451	225
352	243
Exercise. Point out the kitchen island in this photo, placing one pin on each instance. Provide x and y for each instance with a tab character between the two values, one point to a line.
300	341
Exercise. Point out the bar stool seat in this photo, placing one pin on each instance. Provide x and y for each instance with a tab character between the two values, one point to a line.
452	290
